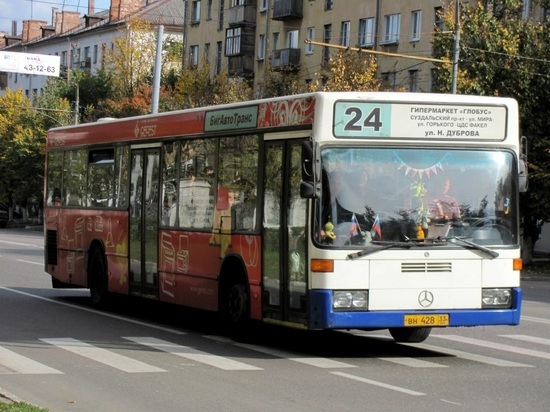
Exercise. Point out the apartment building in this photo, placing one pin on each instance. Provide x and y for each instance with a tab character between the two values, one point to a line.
80	41
247	37
243	36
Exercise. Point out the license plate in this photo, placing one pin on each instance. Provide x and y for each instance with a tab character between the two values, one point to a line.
426	320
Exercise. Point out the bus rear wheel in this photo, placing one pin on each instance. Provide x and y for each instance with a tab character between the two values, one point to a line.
410	335
235	306
97	279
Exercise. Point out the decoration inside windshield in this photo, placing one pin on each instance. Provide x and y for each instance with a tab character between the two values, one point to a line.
397	195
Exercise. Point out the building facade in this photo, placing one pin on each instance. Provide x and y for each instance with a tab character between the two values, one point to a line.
245	38
80	41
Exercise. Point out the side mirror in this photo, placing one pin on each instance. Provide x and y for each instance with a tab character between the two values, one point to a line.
523	172
307	191
307	161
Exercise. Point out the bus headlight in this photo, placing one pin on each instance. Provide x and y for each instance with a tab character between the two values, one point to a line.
350	300
496	298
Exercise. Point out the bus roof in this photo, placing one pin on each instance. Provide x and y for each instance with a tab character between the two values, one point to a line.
280	113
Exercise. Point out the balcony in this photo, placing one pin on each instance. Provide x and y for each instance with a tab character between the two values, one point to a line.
242	16
285	59
242	66
287	9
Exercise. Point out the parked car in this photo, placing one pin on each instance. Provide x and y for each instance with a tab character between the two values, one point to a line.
3	218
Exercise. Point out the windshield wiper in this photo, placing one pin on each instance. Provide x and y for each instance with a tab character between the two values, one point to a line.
387	245
467	243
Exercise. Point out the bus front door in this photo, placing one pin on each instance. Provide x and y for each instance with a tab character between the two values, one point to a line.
284	235
144	215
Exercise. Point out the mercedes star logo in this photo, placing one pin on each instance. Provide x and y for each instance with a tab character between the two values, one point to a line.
425	298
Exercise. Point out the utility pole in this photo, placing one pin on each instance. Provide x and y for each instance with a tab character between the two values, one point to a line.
184	40
456	51
158	70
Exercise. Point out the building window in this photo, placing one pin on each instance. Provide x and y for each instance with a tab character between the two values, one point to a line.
195	11
366	32
310	35
391	28
263	5
221	15
235	3
233	41
329	4
276	41
526	9
96	54
292	39
388	78
63	58
194	56
345	33
413	80
327	35
416	23
438	17
207	53
209	10
261	47
218	67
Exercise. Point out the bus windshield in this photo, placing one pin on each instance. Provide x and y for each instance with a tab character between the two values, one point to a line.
377	195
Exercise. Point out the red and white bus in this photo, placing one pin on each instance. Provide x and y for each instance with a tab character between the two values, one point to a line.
319	211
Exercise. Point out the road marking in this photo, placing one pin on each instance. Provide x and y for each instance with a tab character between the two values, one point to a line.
193	354
101	355
459	354
379	384
468	356
317	362
20	244
24	365
96	312
31	262
533	319
495	345
526	338
413	362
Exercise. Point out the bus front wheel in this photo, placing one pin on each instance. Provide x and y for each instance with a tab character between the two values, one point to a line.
410	335
97	279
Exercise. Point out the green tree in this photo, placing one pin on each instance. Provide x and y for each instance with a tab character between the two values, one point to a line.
197	88
349	71
21	148
132	58
505	55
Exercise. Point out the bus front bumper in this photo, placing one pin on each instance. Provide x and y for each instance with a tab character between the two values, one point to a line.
322	316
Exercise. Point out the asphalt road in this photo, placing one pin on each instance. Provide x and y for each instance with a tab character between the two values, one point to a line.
56	351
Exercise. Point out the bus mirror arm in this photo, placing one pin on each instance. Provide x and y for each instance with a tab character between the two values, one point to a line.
309	188
523	172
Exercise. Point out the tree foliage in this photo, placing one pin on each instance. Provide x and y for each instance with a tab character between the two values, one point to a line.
349	71
132	58
504	54
197	88
22	137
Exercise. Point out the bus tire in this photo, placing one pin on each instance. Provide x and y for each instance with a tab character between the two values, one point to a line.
410	335
97	279
235	306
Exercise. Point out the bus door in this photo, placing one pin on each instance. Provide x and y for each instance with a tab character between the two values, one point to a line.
284	234
144	215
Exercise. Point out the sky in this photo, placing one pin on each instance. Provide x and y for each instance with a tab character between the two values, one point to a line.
20	10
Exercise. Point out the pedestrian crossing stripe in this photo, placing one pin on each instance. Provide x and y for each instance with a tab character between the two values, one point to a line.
101	355
12	362
194	354
23	365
